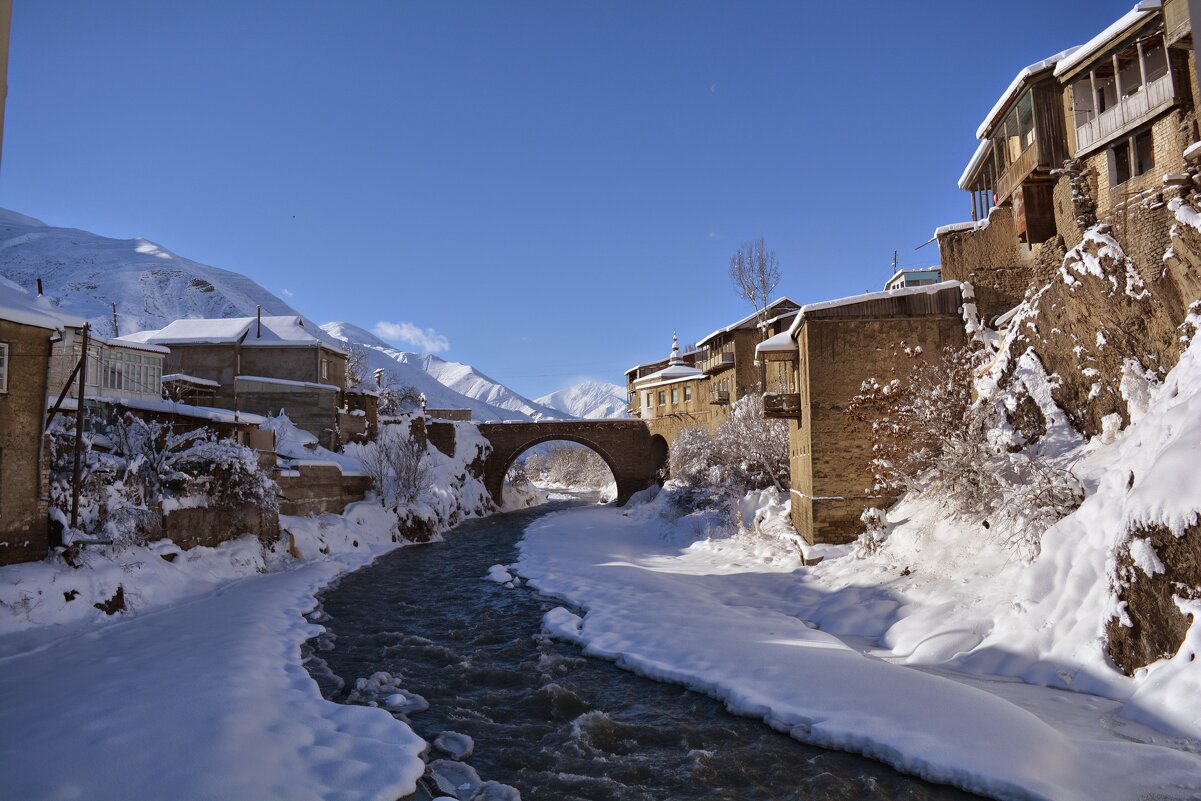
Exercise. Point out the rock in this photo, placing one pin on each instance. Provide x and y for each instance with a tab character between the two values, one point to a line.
457	746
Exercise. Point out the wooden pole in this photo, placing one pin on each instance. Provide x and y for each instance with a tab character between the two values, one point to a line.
116	332
76	467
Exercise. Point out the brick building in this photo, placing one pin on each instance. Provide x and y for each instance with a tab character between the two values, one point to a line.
1085	136
259	365
830	349
26	328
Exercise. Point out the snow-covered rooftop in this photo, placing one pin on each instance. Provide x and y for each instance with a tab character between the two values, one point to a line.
285	331
19	307
1010	93
287	382
780	343
977	157
744	321
191	379
928	289
1130	19
209	413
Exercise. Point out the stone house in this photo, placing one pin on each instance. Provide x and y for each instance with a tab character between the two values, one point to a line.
727	356
1126	101
672	396
27	326
260	365
830	349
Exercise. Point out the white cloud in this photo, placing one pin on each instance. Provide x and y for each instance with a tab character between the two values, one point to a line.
287	293
426	340
714	235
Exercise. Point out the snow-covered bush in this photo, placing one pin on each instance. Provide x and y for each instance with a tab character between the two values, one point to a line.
565	465
396	464
129	466
746	452
933	439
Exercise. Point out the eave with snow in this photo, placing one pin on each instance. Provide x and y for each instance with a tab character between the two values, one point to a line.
1022	139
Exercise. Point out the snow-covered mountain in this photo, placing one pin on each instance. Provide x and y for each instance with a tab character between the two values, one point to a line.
445	384
151	286
591	400
85	273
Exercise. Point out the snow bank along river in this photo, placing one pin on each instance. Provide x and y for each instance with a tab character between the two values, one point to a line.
544	719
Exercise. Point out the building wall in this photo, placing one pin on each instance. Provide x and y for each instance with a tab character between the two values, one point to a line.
830	454
669	419
999	267
221	363
1170	134
23	473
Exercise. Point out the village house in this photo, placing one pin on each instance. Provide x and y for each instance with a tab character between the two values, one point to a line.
914	276
670	395
259	365
27	326
1129	102
1095	133
830	349
727	356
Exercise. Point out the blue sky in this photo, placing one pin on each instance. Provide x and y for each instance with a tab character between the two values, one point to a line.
548	189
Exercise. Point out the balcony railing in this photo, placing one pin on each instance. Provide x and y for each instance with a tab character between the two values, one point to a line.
719	397
1017	171
1129	112
719	361
782	405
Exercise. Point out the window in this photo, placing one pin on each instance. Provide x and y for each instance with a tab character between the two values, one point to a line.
1144	153
324	369
1130	157
662	397
3	367
687	394
1119	163
675	395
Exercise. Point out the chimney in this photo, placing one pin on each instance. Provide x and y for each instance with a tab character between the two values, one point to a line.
39	286
259	334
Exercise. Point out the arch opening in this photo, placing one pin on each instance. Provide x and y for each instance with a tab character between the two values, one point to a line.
522	454
658	455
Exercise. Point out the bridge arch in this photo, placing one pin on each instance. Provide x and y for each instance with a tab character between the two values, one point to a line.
624	445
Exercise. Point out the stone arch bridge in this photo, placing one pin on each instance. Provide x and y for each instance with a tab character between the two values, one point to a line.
635	456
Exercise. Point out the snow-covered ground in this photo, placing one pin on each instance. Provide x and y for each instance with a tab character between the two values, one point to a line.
733	617
943	650
197	689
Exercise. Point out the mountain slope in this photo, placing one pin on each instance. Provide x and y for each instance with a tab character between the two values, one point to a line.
445	384
592	400
150	285
85	273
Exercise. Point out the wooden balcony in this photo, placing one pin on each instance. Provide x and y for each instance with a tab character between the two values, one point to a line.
719	397
719	362
782	405
1130	111
1017	171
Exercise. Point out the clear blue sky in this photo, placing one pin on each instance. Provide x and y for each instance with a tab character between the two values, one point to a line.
551	186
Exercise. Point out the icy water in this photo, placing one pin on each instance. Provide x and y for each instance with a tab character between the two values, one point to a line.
546	720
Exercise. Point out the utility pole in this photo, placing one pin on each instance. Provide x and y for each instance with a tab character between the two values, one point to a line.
894	262
76	467
116	331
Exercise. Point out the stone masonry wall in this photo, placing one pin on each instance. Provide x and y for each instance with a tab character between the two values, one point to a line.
23	475
211	526
999	266
830	453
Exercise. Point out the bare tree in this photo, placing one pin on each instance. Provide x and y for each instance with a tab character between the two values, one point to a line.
756	274
356	364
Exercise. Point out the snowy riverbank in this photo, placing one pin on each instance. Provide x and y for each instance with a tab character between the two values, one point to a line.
732	617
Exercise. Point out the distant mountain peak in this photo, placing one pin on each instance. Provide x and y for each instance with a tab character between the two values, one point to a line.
588	399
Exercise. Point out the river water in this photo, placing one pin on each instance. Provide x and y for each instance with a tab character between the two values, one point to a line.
545	719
